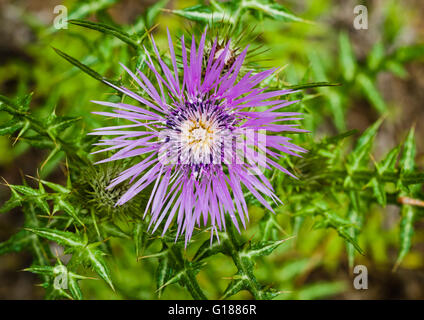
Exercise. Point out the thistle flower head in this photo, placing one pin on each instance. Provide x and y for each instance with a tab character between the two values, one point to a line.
200	137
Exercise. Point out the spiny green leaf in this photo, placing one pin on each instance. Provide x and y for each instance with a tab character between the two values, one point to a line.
371	92
35	195
202	13
16	242
62	204
113	230
53	293
350	240
406	232
14	201
39	141
233	288
163	274
407	165
94	258
11	127
56	187
83	67
74	288
64	238
313	85
376	56
341	225
71	278
173	279
407	160
42	204
10	106
272	9
208	249
270	294
378	189
24	129
338	137
269	227
45	270
408	53
412	178
335	100
107	29
60	123
25	101
367	137
347	57
355	218
140	238
185	271
26	191
388	164
360	154
396	68
56	269
263	248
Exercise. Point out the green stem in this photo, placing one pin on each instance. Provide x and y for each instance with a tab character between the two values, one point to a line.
189	278
243	264
10	107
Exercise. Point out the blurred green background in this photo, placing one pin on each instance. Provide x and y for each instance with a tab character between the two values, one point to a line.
378	78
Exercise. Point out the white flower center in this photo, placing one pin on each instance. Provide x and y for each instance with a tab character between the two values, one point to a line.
198	138
197	135
200	134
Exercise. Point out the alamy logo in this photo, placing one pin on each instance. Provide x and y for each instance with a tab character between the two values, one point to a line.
360	282
361	19
61	277
61	20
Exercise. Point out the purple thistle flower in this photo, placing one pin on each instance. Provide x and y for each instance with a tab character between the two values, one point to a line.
200	138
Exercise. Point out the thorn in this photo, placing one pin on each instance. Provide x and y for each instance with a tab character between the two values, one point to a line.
166	284
21	173
289	238
410	201
414	124
67	165
144	257
284	291
251	238
373	159
90	278
31	177
229	278
161	287
396	266
5	181
104	240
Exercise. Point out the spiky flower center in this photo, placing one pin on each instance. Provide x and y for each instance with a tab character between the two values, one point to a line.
199	136
197	131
